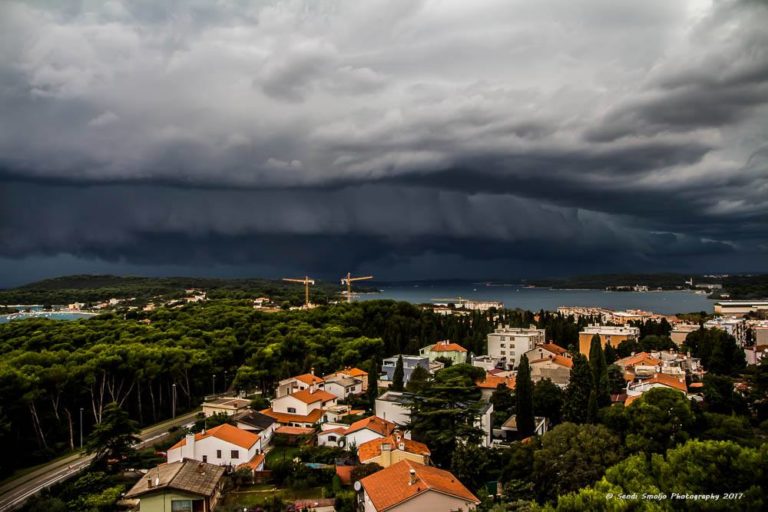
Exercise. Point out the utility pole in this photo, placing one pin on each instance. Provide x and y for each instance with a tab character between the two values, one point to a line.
173	398
81	428
213	384
225	381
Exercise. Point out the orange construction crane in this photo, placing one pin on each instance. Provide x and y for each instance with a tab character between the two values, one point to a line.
347	280
306	281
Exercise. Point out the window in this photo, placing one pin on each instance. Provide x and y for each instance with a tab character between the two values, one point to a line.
332	439
218	454
502	345
503	353
292	410
181	506
235	454
205	458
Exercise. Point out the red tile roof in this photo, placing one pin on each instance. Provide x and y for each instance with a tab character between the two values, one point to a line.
447	346
641	358
308	379
318	396
392	486
294	431
355	372
492	382
555	349
225	432
374	423
372	449
284	417
669	380
254	463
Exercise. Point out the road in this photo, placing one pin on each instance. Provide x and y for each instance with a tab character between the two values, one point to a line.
14	493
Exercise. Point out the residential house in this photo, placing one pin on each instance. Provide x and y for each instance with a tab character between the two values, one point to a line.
389	450
229	405
395	406
489	384
408	486
681	331
611	335
298	383
659	380
357	433
508	344
410	363
555	368
183	486
546	350
445	350
343	386
354	373
302	408
641	364
485	423
258	423
224	445
509	427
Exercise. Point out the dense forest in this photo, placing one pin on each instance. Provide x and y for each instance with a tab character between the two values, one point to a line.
95	288
50	369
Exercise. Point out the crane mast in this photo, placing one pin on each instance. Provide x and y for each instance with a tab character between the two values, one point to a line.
348	280
306	281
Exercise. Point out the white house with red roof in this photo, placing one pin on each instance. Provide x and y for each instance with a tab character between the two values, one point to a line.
408	486
446	350
543	350
660	380
224	445
298	383
302	408
553	367
357	433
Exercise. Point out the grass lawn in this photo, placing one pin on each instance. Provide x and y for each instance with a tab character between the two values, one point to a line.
262	493
281	453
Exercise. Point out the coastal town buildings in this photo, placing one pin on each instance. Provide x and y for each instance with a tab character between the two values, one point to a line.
224	445
609	335
410	363
186	485
508	344
386	451
446	350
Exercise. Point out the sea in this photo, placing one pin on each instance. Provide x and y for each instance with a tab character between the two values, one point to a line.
534	299
36	311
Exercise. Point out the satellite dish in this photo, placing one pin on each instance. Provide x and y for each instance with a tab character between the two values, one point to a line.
358	486
341	443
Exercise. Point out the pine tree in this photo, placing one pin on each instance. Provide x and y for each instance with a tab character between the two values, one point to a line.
578	390
599	373
524	396
399	375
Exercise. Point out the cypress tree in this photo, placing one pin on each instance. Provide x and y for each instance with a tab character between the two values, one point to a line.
578	390
399	375
524	397
599	373
373	382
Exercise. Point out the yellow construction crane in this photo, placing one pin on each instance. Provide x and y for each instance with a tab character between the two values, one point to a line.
306	281
347	280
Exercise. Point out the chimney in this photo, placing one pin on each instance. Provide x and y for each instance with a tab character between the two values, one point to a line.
149	482
413	477
188	450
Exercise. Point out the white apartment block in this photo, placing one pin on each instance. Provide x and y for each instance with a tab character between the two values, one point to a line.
510	343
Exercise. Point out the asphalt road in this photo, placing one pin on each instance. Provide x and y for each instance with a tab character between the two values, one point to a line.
14	493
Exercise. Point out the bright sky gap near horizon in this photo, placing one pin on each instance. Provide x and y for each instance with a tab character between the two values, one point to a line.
408	139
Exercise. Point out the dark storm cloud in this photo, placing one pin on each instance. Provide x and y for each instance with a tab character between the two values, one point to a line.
390	134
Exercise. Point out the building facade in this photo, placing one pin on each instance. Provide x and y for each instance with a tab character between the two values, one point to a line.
508	344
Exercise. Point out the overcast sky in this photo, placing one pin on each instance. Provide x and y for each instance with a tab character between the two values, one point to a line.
402	138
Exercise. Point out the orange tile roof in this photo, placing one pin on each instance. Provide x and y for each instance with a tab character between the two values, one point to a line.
631	399
318	396
556	349
374	423
345	474
355	372
225	432
309	379
641	358
371	449
446	346
294	431
492	382
392	486
254	463
284	417
562	361
668	380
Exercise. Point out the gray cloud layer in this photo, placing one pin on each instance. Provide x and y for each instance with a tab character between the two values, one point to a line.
589	135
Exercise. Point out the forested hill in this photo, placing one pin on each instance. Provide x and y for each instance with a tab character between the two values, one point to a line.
94	288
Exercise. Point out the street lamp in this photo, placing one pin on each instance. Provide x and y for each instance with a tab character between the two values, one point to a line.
81	428
173	387
213	384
